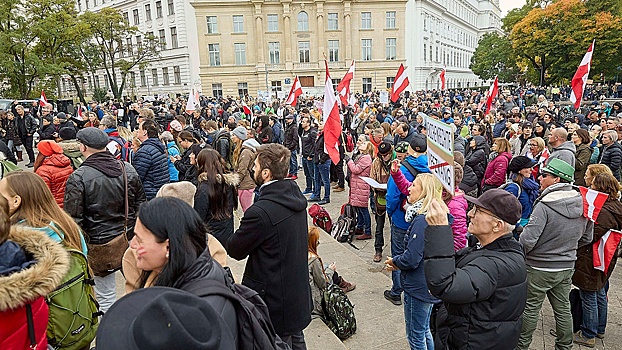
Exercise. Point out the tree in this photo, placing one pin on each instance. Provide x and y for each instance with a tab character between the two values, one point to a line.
494	56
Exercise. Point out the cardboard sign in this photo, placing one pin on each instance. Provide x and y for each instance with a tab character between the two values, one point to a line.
441	152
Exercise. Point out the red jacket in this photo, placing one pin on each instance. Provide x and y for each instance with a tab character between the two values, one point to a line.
54	171
496	169
14	328
359	189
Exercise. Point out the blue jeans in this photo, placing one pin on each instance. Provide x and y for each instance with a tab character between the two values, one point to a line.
293	163
363	219
417	317
397	248
594	312
309	169
322	177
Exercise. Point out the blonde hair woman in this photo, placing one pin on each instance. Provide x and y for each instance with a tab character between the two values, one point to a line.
417	299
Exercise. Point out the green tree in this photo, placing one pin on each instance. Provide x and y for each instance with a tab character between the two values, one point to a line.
100	95
495	56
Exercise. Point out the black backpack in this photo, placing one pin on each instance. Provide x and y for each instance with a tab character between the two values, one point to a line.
343	229
255	329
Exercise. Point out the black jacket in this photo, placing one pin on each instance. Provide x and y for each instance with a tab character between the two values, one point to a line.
273	235
484	291
291	137
27	125
476	158
320	156
308	142
221	229
611	156
95	198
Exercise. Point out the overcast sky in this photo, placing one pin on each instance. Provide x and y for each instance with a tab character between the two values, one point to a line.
507	5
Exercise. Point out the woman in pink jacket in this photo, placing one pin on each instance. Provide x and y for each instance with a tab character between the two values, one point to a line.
359	189
500	157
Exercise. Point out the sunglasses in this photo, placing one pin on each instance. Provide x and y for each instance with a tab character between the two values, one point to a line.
545	175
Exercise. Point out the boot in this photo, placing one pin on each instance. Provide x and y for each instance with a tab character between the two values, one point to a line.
19	156
346	286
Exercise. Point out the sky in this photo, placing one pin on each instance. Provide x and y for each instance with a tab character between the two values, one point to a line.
507	5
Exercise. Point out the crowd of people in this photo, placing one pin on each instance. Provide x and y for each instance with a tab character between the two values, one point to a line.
153	190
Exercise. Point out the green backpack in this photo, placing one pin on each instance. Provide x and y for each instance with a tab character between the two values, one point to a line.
338	312
73	310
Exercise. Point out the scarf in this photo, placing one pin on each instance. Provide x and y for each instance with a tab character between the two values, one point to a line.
413	210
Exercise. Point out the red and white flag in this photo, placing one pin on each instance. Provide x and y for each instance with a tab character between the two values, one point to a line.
605	249
332	122
192	102
42	100
492	93
399	83
79	116
343	89
580	78
296	91
544	156
592	202
247	110
442	76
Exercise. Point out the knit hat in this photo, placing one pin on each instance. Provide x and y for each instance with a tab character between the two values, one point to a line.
519	163
67	133
240	132
49	147
401	147
419	143
176	125
93	137
560	169
183	190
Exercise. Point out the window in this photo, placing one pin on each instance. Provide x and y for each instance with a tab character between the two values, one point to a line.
126	17
366	49
217	90
276	86
333	21
274	49
214	54
391	48
240	53
132	79
212	24
106	83
366	85
174	43
136	18
303	22
390	82
365	20
162	36
333	50
242	89
143	78
273	23
128	45
96	81
154	76
165	76
304	47
158	9
177	75
147	12
390	20
139	41
335	83
171	7
238	24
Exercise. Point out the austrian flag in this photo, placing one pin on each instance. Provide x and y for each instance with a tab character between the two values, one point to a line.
605	249
592	202
399	83
296	91
42	100
332	120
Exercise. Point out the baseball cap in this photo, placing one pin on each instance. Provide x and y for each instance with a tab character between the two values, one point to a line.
419	143
500	203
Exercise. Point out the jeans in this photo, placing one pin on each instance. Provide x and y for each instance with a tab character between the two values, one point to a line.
322	177
246	198
363	219
379	241
293	163
309	169
556	287
397	248
417	317
594	312
296	341
106	291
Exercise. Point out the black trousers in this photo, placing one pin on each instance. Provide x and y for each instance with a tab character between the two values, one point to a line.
336	173
27	143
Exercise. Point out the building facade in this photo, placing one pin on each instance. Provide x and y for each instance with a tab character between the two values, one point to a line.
251	46
176	70
445	34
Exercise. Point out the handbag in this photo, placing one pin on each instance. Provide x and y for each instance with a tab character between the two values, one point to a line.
107	258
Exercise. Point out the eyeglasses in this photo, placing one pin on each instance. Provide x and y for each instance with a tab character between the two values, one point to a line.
477	209
533	145
545	175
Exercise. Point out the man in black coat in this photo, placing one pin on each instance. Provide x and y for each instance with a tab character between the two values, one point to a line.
273	235
291	143
483	288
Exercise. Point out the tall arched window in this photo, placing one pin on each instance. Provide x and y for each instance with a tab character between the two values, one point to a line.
303	21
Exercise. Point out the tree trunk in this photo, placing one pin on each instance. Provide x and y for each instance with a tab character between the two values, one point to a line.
542	70
74	80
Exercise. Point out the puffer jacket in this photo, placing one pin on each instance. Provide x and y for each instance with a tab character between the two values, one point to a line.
496	170
484	291
476	157
359	189
31	266
172	151
246	163
221	229
611	156
151	165
458	207
586	277
55	171
71	149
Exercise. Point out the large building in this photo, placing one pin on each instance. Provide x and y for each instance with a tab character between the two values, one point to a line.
444	34
251	46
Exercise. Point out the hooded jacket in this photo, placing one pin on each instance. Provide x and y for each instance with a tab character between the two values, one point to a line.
151	165
31	266
565	152
476	157
496	170
395	198
55	171
71	149
545	245
273	235
221	229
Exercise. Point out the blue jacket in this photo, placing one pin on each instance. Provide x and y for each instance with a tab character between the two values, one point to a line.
174	152
395	197
528	194
498	128
151	165
410	262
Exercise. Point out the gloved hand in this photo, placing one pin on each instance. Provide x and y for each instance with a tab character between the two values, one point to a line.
346	158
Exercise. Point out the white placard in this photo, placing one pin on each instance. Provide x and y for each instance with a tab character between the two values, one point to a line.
373	183
384	96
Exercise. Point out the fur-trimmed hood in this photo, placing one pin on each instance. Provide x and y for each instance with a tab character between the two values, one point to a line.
232	179
41	278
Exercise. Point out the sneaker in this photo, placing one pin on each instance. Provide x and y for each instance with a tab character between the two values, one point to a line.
338	189
578	338
313	199
336	185
307	192
395	299
324	201
363	237
30	165
346	286
378	257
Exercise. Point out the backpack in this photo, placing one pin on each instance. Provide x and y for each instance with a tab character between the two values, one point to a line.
343	230
338	312
321	218
222	135
74	312
506	184
124	149
255	330
8	167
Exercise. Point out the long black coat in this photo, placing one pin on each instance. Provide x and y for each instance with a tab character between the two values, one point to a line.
273	235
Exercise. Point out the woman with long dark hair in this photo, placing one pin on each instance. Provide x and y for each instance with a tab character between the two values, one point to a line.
186	164
216	197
